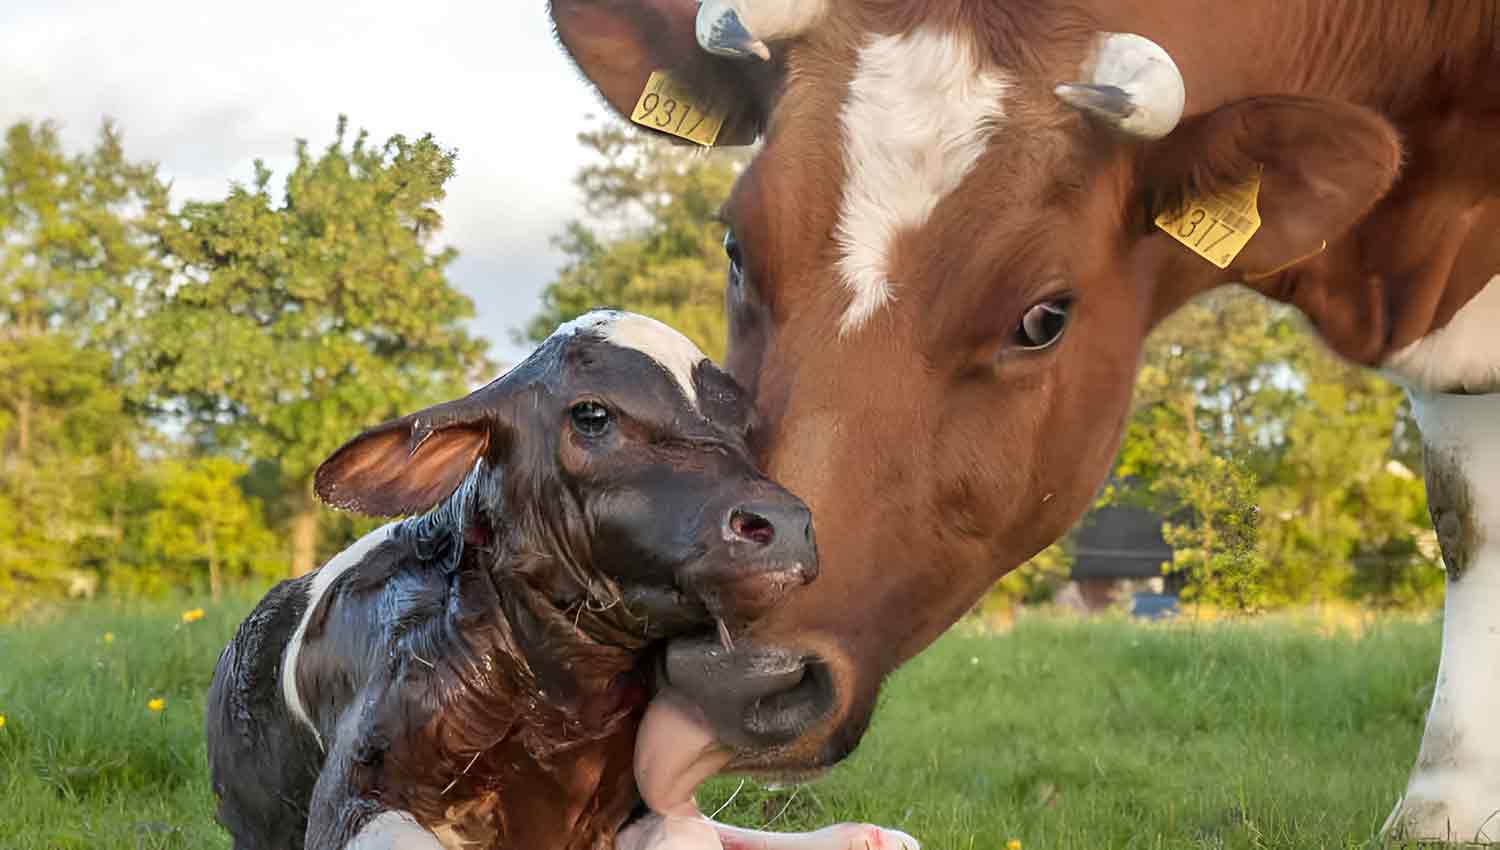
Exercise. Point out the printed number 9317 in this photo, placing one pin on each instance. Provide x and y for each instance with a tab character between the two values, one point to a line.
669	114
1193	224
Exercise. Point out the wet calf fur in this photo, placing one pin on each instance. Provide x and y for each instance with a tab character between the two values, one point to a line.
473	676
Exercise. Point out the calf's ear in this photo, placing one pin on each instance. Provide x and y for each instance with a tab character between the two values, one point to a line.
412	464
1323	164
618	44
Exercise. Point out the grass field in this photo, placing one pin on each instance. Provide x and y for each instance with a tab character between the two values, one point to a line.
1057	735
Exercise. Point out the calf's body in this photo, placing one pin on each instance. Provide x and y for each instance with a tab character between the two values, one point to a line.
410	685
469	677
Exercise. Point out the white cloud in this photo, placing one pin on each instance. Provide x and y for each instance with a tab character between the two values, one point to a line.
205	88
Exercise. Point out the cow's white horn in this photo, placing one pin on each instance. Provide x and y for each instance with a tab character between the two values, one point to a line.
1131	84
722	32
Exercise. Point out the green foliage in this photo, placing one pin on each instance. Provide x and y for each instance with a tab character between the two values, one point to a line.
150	357
663	253
293	326
1288	470
204	523
76	248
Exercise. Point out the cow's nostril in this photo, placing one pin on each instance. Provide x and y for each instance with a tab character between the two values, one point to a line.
753	527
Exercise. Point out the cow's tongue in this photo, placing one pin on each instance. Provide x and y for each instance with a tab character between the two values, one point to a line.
675	752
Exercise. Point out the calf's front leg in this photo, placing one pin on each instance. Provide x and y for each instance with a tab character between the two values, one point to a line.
1454	790
340	816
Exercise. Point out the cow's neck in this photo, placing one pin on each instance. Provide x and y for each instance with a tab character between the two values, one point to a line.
1416	286
1394	57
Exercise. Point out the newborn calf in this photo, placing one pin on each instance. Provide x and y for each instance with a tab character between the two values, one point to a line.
473	677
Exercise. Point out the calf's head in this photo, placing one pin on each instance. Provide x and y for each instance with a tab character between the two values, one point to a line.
608	472
942	269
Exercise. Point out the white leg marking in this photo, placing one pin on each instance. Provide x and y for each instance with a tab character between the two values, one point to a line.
661	342
1454	790
920	114
1463	355
394	831
322	580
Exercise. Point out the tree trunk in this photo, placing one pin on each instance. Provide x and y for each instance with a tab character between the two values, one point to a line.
23	424
305	533
215	586
29	331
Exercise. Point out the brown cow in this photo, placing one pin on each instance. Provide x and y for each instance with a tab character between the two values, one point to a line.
944	260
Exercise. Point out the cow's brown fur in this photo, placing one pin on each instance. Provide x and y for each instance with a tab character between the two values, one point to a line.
936	456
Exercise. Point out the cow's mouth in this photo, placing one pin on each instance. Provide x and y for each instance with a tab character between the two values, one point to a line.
757	700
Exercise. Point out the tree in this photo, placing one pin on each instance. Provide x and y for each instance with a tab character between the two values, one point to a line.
205	522
290	327
662	254
1291	468
77	246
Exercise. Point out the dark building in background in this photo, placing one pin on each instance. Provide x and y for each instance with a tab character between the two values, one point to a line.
1118	555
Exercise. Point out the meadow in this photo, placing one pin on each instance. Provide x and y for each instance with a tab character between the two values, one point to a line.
1055	734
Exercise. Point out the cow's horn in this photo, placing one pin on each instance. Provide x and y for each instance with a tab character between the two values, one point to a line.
1131	83
721	32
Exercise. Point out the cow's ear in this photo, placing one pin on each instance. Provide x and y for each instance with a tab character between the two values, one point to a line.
1322	165
412	464
619	44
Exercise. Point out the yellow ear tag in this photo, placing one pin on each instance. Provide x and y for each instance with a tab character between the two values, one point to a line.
671	108
1216	227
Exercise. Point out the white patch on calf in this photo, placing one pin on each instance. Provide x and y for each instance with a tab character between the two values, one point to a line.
321	581
661	342
1454	790
1463	355
395	831
919	116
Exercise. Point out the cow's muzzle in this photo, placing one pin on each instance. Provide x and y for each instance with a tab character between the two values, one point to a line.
755	698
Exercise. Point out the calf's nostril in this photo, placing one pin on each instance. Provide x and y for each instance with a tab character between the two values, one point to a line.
752	527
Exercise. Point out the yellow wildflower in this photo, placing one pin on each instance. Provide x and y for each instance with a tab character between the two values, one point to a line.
157	704
1013	844
109	637
2	721
192	616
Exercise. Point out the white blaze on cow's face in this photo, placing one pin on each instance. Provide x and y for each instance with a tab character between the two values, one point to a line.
919	114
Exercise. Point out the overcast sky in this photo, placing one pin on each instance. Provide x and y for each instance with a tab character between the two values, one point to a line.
205	87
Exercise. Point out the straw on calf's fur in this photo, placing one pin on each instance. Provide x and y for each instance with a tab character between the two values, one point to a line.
472	677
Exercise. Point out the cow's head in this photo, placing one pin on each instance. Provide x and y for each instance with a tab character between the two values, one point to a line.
608	467
942	267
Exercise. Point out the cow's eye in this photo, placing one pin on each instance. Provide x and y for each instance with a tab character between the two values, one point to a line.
736	259
591	418
1043	324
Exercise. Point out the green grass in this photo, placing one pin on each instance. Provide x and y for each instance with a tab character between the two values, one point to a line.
1059	734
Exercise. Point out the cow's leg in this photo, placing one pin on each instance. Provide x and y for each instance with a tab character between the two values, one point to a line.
1454	792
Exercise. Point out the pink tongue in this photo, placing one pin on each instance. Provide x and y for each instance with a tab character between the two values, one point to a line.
674	753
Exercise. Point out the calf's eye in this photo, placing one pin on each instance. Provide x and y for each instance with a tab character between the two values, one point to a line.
1043	324
591	418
